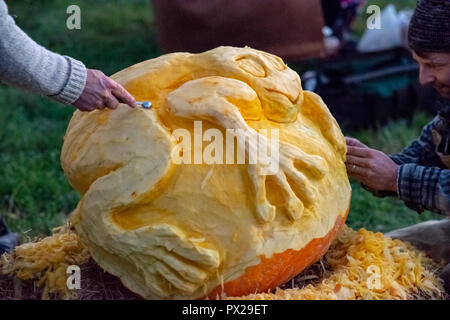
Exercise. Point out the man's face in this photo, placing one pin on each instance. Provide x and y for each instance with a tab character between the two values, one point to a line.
435	71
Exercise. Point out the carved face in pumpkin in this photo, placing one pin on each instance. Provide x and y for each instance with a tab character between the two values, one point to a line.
191	230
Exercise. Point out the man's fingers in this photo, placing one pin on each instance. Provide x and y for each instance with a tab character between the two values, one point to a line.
359	152
358	178
122	95
100	105
358	161
102	92
352	168
111	102
356	172
354	142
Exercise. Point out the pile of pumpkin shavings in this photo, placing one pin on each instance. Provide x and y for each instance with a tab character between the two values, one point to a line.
367	265
46	262
359	265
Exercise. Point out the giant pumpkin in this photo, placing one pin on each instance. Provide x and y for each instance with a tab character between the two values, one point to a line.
172	230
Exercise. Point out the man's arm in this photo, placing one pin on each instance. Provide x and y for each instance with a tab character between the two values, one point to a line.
422	150
27	65
424	188
421	188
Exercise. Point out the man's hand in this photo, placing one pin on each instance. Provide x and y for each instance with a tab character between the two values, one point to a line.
102	92
371	167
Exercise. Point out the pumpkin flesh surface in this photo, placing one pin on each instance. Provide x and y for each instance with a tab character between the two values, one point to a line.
179	231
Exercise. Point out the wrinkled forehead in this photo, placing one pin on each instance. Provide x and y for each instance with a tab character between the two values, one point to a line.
432	57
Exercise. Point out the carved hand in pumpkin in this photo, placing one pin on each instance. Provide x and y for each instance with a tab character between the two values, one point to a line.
179	231
217	99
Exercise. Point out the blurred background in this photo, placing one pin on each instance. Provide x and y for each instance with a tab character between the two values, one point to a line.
367	79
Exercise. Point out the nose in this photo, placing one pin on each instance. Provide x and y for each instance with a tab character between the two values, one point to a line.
425	75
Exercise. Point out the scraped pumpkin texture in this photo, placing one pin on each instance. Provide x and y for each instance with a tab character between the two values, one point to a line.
177	230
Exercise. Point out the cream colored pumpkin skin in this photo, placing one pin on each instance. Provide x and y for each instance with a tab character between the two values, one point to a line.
177	231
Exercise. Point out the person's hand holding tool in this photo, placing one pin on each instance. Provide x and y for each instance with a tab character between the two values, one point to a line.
102	92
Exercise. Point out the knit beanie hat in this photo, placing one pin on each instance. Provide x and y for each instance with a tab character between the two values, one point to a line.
429	29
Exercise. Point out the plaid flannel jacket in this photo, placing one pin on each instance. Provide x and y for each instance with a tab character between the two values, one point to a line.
423	179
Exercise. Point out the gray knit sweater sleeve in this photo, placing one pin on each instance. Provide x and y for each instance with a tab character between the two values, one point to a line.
27	65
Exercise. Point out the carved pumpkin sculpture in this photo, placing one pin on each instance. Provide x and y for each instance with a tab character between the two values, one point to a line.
177	231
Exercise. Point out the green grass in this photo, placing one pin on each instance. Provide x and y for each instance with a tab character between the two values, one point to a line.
34	194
